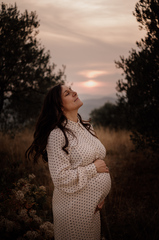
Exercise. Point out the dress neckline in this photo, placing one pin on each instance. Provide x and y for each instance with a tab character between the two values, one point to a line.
74	125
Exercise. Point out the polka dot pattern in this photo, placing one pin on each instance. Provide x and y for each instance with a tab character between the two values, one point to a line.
78	188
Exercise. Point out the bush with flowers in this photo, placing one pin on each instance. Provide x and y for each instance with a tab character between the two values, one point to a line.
22	212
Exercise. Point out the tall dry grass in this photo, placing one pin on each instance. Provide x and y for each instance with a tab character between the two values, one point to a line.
131	208
116	141
14	165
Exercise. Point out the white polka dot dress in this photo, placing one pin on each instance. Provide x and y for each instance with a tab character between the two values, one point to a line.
78	188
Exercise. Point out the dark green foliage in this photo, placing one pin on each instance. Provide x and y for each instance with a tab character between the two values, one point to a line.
110	115
25	70
104	116
139	88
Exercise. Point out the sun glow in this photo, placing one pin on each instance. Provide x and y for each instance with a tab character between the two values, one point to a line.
90	83
92	73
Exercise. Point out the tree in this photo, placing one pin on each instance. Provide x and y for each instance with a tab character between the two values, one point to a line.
25	69
139	88
104	116
110	115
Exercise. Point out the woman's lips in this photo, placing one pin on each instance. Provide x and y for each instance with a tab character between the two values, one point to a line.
76	99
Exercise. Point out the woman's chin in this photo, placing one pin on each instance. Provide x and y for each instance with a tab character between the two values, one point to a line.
81	104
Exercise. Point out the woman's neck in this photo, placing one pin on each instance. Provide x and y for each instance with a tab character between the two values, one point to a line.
72	116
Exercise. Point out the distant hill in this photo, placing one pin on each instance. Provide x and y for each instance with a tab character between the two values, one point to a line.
91	104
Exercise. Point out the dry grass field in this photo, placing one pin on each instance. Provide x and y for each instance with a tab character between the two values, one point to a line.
131	210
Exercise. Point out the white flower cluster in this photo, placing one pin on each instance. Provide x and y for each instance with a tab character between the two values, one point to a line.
42	188
21	181
47	229
23	216
19	195
45	232
31	235
26	188
32	213
23	206
31	177
24	181
8	225
37	220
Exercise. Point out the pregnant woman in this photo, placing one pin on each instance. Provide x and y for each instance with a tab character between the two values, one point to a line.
75	157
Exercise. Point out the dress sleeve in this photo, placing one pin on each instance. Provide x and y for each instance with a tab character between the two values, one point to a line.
64	177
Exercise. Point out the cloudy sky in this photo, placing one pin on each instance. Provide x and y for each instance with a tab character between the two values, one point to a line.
86	36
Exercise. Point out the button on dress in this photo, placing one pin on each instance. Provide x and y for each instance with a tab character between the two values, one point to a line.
78	188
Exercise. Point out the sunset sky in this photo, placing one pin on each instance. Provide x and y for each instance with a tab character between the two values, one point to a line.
86	36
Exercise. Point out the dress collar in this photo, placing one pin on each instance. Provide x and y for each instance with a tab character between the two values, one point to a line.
74	126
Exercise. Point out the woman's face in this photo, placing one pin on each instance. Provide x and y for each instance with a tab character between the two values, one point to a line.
70	100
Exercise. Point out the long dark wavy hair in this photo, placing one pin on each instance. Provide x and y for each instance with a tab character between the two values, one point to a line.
51	116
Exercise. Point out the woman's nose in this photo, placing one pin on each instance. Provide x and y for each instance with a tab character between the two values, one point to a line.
74	93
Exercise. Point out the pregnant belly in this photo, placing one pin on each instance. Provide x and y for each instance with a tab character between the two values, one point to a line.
103	181
100	186
87	198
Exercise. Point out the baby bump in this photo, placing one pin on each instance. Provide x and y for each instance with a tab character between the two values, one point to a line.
100	186
103	182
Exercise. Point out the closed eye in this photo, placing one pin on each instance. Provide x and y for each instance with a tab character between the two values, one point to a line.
68	91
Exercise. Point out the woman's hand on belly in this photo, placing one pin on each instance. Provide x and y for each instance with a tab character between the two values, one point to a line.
101	166
99	206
